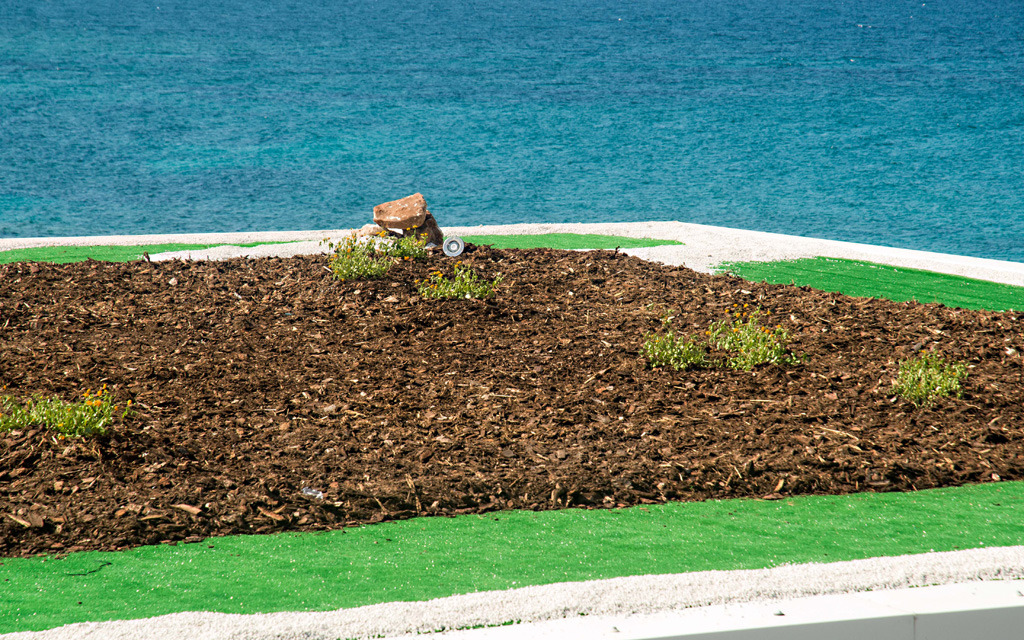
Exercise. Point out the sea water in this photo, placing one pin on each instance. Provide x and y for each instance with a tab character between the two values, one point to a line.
897	123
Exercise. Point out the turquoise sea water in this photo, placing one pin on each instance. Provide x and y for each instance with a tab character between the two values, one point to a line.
897	123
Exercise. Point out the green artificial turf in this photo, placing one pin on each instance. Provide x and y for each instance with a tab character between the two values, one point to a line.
126	253
566	241
426	558
102	253
870	280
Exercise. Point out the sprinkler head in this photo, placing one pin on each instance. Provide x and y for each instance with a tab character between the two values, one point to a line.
453	246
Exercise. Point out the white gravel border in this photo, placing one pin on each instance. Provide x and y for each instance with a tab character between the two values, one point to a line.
705	246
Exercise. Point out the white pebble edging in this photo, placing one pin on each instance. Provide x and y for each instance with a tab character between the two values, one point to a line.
583	601
706	247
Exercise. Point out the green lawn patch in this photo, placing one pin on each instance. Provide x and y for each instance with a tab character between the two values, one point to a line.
566	241
103	253
426	558
871	280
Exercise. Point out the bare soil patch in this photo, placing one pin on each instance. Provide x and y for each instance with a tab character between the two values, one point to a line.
256	379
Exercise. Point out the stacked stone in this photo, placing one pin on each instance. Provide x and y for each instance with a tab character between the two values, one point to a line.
408	216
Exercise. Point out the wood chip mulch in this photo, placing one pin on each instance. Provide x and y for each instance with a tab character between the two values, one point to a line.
270	396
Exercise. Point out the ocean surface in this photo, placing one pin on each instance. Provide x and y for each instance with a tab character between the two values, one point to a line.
894	123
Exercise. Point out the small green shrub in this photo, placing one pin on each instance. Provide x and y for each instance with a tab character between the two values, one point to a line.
368	259
744	338
674	351
404	248
929	376
750	341
464	283
353	259
91	416
671	350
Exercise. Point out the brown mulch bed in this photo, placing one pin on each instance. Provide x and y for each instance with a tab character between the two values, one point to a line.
256	379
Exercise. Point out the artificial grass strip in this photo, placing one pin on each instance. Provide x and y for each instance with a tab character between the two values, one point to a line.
871	280
103	253
426	558
127	253
572	241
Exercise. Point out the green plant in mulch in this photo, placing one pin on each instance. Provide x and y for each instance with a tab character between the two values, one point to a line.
464	283
92	415
743	337
927	377
672	350
749	342
404	248
354	258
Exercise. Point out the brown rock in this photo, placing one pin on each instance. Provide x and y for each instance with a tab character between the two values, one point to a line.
403	214
429	226
410	216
